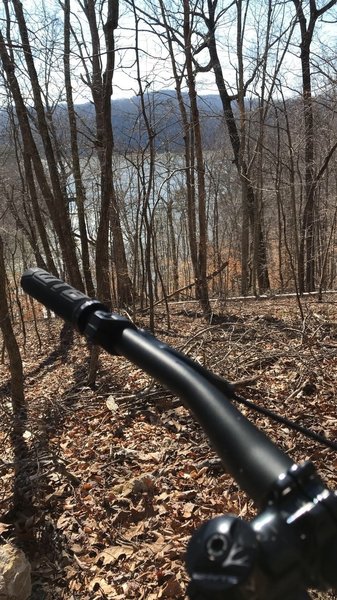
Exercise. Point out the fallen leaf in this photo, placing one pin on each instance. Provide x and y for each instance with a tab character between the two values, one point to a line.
111	404
172	589
113	553
4	527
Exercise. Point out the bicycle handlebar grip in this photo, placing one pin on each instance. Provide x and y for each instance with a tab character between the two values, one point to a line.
60	297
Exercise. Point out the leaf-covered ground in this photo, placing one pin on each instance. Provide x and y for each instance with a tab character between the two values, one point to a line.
115	479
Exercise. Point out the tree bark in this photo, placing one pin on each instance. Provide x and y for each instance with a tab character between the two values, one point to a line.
79	188
249	202
194	162
201	286
306	262
101	88
15	362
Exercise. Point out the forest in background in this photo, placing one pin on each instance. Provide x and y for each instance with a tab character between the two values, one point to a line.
132	205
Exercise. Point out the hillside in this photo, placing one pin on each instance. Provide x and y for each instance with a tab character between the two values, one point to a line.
116	478
128	123
163	113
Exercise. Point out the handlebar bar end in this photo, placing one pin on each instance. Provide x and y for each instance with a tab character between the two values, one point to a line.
63	299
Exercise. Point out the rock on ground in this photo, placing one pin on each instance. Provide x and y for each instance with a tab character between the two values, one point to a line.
15	574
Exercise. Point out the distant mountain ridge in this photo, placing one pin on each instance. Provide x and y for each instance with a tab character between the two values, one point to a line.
128	123
164	116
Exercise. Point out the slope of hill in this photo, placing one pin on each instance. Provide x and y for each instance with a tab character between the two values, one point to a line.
164	116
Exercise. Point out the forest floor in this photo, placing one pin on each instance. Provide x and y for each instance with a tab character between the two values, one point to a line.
115	479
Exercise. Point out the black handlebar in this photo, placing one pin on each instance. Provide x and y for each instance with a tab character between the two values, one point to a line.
60	297
247	453
287	547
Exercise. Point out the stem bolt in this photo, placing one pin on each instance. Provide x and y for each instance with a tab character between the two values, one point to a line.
217	546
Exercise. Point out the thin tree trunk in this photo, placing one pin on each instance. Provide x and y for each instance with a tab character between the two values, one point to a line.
101	88
202	285
248	195
306	263
188	154
15	362
79	188
172	237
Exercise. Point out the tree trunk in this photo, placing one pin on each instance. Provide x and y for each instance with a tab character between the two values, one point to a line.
248	194
79	188
173	245
194	162
101	88
15	362
201	286
306	262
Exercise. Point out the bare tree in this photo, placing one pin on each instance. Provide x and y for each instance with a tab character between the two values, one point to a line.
75	156
307	23
251	212
33	164
15	362
58	202
182	35
100	83
195	132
